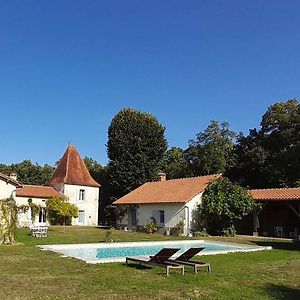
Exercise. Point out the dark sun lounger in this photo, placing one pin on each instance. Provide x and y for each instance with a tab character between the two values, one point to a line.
185	259
160	259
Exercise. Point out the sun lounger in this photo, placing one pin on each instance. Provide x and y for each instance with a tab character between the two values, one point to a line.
185	259
159	259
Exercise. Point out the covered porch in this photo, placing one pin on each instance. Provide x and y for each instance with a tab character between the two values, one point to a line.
279	215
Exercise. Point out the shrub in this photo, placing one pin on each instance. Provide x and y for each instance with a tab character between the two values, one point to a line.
151	227
8	220
224	203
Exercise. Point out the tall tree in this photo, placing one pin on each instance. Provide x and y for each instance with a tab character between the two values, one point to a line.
212	150
136	145
175	164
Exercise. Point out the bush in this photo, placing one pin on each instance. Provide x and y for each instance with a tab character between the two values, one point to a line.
201	233
223	203
8	221
151	227
108	234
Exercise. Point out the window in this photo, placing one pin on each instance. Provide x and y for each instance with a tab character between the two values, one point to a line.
81	195
42	216
161	216
81	217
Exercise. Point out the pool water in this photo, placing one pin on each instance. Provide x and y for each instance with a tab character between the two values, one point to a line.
117	252
151	250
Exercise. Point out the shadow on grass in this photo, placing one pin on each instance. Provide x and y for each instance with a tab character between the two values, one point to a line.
290	246
137	266
281	292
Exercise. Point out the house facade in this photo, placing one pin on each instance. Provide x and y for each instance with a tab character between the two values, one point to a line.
36	195
171	203
71	178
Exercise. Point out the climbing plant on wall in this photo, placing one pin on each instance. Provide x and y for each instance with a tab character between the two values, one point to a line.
8	221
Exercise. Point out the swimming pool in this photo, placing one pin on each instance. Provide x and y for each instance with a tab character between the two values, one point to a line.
116	252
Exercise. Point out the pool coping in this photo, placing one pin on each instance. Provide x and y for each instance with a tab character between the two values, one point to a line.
59	248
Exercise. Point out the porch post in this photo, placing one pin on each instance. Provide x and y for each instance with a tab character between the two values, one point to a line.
255	224
296	232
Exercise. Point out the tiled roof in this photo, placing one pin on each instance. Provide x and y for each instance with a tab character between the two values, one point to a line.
168	191
72	170
276	194
37	191
9	179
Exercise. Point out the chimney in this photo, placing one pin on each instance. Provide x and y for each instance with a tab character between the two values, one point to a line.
162	177
13	176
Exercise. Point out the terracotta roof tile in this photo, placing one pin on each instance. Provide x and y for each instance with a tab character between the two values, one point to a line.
9	179
168	191
37	191
72	170
279	194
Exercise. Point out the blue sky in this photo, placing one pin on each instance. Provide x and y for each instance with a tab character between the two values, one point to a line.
67	67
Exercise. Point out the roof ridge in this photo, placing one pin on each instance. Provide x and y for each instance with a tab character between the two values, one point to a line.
272	189
191	177
67	163
37	185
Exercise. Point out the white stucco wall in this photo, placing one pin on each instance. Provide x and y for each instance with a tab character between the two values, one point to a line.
173	212
89	205
192	206
6	189
24	201
24	218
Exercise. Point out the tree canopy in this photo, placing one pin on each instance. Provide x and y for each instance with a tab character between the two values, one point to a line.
61	211
29	173
175	164
212	150
136	145
270	156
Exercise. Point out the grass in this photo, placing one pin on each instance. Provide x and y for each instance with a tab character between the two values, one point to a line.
26	272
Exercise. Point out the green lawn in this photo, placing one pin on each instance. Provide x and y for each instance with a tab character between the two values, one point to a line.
26	272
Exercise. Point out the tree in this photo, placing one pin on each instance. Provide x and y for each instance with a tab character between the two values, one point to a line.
61	211
136	144
212	150
223	203
175	164
95	168
281	128
251	157
270	156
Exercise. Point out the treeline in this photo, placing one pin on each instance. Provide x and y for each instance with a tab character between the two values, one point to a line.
269	156
29	173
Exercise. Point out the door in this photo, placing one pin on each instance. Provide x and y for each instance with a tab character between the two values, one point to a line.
81	217
132	218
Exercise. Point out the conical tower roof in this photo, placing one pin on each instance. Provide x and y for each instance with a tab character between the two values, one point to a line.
72	170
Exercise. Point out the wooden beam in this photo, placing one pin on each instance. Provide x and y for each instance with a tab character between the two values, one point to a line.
294	210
